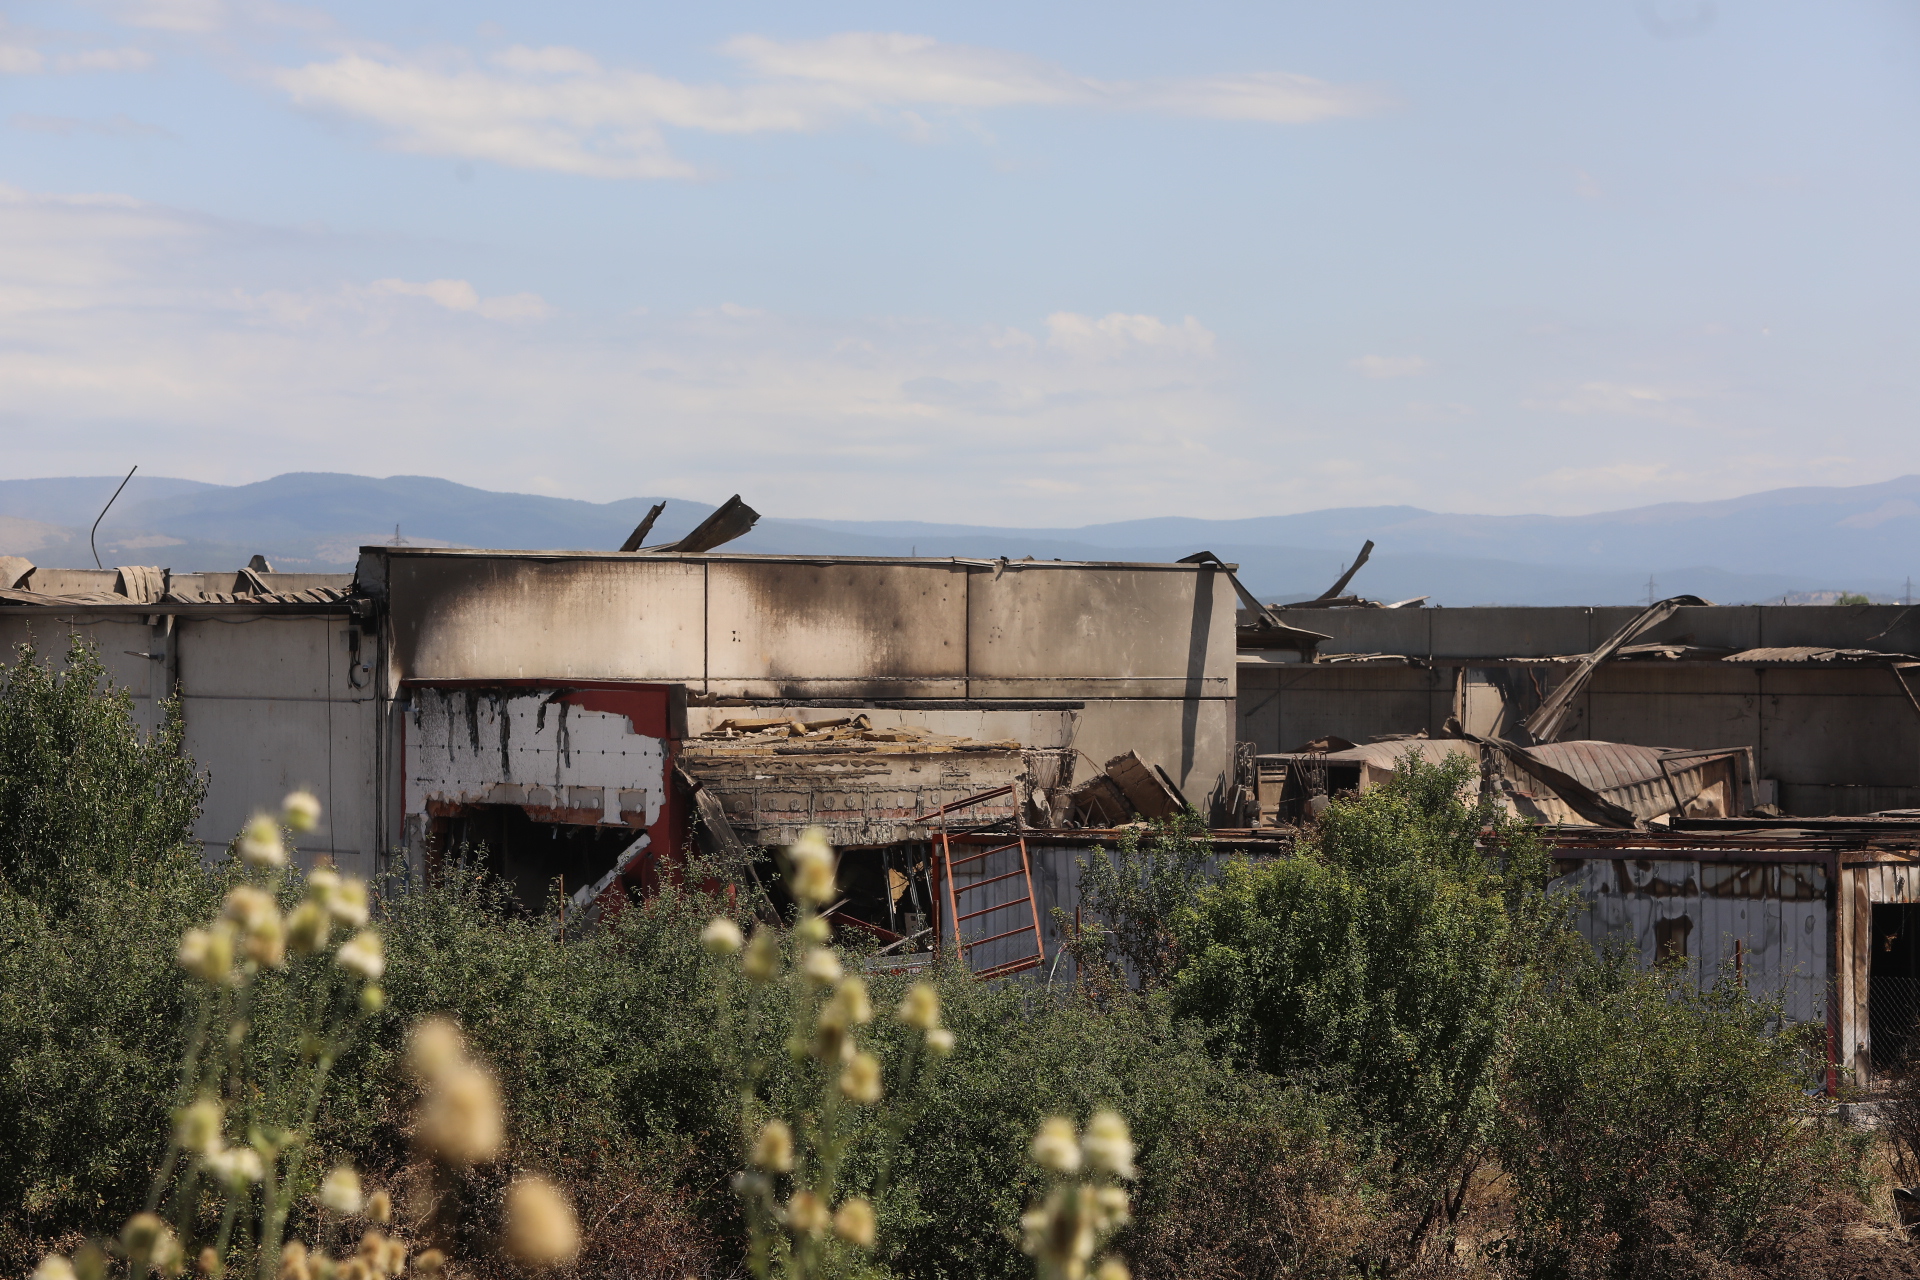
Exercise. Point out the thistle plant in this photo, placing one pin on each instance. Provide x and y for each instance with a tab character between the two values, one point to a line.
1085	1202
251	1177
791	1187
232	1160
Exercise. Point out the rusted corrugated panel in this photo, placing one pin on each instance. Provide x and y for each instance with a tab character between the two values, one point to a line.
1810	654
1697	911
1603	766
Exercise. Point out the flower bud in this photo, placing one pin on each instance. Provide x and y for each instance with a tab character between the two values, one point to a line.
939	1042
721	937
461	1120
854	1223
1054	1147
362	954
260	844
773	1149
380	1208
90	1262
861	1079
248	906
293	1262
430	1262
813	929
1110	1209
208	953
1113	1269
1107	1145
309	928
806	1214
340	1191
851	996
322	884
53	1267
197	1126
266	942
372	999
541	1229
811	865
762	959
821	967
434	1048
300	810
208	1263
921	1008
234	1166
348	902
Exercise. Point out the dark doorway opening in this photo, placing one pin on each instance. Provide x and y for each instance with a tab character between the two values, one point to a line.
536	860
1893	983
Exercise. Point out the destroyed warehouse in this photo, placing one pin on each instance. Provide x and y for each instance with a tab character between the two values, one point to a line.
965	729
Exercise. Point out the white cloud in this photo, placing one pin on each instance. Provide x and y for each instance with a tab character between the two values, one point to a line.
104	60
1118	334
124	322
560	109
1388	366
20	59
24	59
195	16
1621	399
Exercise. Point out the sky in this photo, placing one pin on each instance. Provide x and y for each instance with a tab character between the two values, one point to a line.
1022	264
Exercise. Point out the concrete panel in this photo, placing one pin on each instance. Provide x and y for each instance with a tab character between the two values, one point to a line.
472	617
1192	741
1842	626
1509	632
898	630
120	641
272	657
1281	708
1674	707
1367	630
257	750
1049	631
1848	733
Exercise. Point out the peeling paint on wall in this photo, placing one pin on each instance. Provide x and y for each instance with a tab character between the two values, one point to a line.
535	748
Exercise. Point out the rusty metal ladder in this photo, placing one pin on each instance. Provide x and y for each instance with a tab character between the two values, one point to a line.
949	931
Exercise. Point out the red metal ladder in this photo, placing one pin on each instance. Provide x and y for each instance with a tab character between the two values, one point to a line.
948	899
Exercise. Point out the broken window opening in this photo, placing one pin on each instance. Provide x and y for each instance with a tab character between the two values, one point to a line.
537	861
1893	983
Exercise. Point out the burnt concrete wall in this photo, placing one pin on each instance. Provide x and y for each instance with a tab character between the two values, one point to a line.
1837	739
1146	650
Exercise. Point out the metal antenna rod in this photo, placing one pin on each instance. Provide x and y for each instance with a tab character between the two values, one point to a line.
103	515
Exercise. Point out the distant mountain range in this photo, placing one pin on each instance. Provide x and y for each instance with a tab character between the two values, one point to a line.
1763	546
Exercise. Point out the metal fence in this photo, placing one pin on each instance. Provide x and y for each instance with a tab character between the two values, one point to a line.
1893	1019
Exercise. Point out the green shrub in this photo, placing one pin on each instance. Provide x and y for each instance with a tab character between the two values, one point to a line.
99	874
1651	1129
1134	896
84	795
1386	961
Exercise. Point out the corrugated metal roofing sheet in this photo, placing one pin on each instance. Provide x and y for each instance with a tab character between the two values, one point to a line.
1811	653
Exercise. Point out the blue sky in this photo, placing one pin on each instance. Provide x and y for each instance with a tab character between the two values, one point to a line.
987	263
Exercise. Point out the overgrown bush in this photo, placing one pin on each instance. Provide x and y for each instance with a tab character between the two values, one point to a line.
85	797
99	873
1134	897
1387	961
1651	1129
